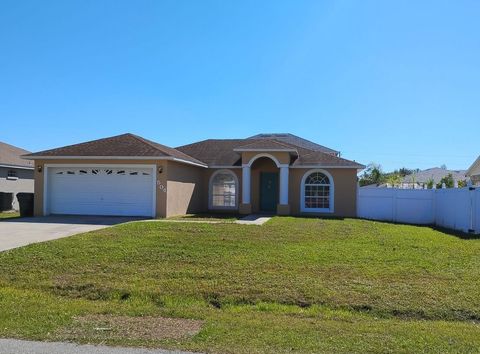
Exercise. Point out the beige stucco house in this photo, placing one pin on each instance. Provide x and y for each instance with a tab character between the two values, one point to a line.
130	175
474	172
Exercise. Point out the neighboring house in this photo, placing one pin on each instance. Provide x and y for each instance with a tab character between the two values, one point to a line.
474	172
129	175
16	174
420	179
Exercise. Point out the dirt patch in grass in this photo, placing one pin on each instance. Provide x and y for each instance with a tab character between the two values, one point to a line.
102	327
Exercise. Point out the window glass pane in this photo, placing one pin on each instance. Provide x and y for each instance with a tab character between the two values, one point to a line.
317	191
317	178
224	190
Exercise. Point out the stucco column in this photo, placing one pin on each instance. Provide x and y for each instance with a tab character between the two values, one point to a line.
284	185
283	208
246	184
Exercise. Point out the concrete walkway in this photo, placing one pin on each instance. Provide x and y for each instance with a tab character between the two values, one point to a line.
18	232
254	219
15	346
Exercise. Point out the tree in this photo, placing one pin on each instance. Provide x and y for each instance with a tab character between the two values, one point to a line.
430	183
372	175
405	171
448	180
394	179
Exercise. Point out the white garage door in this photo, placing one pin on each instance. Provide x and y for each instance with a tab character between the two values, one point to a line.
127	191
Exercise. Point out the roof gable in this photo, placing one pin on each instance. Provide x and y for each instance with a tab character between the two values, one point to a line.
125	145
475	168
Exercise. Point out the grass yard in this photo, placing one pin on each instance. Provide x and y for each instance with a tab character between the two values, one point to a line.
292	285
8	215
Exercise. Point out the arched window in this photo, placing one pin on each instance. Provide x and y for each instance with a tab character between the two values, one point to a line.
223	190
317	192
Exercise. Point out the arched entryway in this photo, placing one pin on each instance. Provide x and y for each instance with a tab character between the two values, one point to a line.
265	184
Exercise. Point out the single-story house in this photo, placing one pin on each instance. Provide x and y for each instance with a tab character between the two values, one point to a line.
474	172
16	174
420	179
130	175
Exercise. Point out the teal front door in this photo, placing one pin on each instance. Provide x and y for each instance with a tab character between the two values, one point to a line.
268	191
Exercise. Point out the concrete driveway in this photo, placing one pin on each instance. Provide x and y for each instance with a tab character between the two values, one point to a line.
18	232
15	346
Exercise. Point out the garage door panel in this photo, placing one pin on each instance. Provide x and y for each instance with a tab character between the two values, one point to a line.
101	191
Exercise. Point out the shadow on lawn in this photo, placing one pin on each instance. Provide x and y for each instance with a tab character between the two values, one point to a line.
460	234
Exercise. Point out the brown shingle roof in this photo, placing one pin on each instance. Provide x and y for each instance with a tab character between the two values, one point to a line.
222	153
127	145
208	152
215	152
320	158
297	141
11	156
262	144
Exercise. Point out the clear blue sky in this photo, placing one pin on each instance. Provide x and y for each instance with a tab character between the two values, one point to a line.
393	82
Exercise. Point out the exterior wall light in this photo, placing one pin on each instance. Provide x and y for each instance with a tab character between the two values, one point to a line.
160	169
39	168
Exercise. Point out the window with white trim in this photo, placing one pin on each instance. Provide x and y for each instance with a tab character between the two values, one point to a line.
12	174
223	190
317	192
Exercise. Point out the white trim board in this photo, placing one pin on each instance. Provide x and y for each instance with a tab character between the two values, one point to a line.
17	167
159	158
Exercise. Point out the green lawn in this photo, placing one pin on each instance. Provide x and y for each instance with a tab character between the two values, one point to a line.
8	215
292	285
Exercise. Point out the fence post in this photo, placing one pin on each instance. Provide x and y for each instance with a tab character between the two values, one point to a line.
358	199
394	202
473	207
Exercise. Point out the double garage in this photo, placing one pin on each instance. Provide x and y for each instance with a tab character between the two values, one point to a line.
117	190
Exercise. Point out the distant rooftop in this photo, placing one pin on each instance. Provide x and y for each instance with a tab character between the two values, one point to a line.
10	156
435	173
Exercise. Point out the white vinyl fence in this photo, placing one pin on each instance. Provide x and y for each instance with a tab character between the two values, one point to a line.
476	213
456	208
